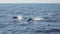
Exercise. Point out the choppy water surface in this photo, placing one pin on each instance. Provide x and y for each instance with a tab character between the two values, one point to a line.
50	26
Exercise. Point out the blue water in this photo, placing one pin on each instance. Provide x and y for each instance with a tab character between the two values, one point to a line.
50	26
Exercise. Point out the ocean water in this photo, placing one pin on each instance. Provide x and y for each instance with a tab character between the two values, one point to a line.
51	25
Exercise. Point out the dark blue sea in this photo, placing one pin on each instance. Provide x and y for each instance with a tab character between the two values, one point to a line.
49	26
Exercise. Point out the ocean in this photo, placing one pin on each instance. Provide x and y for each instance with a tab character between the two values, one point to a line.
48	26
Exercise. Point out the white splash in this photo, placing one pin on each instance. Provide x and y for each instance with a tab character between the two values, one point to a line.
38	18
18	17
